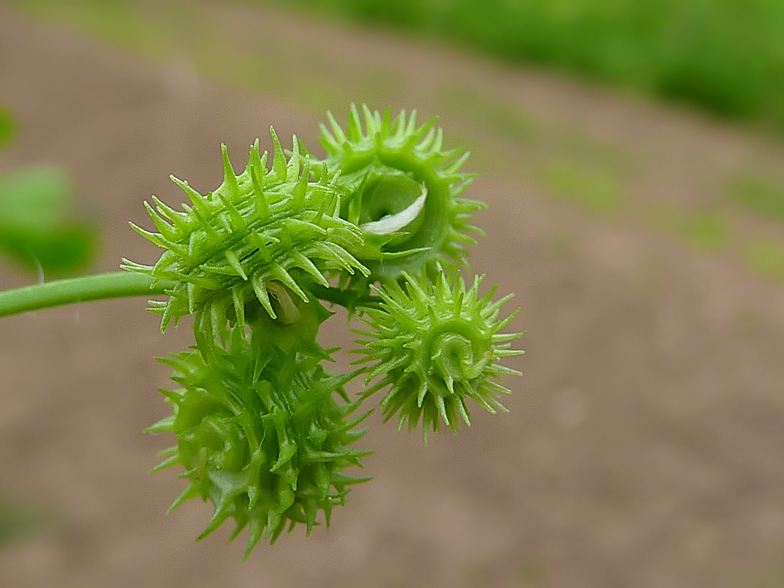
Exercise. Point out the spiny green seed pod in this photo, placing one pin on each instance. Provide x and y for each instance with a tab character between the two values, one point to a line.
401	185
436	345
261	436
257	233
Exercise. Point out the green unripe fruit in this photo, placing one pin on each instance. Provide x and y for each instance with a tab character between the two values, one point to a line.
261	436
385	165
436	346
256	233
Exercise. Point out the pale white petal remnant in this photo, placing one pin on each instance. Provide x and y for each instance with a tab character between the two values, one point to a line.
392	223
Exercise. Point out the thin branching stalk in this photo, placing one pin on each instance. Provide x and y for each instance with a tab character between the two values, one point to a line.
82	289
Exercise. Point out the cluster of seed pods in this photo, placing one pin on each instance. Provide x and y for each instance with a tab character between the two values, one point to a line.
378	226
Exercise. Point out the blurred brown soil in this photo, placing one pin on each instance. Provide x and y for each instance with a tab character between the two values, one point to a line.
644	445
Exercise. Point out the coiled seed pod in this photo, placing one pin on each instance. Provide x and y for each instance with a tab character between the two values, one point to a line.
401	189
436	346
261	436
258	232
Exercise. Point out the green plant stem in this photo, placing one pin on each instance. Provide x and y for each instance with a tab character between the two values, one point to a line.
84	289
345	298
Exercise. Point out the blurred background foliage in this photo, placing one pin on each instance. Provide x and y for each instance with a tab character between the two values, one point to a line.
726	56
723	56
7	126
38	229
20	520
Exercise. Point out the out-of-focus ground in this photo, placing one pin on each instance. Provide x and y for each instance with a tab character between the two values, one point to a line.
644	445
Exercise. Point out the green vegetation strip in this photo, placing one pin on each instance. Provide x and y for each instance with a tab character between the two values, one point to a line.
725	56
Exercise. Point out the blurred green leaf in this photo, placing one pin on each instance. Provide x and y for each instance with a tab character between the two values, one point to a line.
33	199
19	522
35	226
7	126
